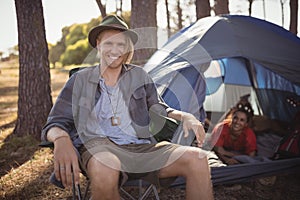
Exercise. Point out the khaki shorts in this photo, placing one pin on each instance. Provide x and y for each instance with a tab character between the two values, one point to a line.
138	161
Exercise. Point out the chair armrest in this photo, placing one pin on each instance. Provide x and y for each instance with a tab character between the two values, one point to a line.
46	144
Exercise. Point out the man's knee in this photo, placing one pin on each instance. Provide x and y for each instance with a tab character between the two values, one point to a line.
102	173
195	159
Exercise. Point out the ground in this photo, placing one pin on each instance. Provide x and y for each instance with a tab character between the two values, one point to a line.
25	167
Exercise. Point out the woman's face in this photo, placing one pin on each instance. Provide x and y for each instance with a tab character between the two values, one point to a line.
239	122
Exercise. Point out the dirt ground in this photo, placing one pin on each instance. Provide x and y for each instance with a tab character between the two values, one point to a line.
25	170
25	167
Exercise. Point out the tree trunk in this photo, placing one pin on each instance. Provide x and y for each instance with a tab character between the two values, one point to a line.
102	8
202	8
143	20
294	16
179	14
221	7
168	18
282	11
35	101
250	7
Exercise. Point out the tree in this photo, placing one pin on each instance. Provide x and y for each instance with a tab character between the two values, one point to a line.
119	7
34	98
282	2
250	7
102	8
168	18
75	53
221	7
202	8
143	18
294	16
179	14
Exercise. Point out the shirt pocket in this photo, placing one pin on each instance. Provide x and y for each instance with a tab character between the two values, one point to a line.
138	108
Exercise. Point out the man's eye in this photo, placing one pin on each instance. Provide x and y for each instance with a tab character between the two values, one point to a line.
107	44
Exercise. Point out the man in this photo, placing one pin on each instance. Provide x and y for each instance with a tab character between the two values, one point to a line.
104	111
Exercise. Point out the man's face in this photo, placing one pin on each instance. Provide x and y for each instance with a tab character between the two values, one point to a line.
112	48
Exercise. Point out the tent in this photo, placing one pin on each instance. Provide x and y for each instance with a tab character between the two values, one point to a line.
210	64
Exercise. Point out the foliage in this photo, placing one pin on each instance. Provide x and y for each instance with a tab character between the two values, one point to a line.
55	52
76	32
75	53
73	47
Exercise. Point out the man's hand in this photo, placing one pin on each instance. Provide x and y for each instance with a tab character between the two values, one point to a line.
65	161
65	157
190	122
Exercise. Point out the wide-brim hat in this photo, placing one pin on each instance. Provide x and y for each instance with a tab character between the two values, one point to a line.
111	22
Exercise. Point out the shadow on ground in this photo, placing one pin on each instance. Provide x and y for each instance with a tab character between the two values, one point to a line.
15	151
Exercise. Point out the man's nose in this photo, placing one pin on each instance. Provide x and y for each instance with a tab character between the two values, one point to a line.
114	48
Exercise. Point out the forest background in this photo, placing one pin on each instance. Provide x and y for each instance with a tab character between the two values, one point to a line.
35	70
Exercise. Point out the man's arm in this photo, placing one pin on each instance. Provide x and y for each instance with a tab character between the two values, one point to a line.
190	122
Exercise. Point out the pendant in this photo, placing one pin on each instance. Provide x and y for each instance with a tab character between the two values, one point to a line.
115	121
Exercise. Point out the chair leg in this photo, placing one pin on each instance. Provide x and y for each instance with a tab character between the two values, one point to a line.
78	191
73	188
86	189
155	192
126	193
148	191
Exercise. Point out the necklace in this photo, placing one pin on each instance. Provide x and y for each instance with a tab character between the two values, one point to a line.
115	120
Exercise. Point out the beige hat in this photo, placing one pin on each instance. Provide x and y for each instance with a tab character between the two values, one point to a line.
111	22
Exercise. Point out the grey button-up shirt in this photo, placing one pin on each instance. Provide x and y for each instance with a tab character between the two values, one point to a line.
74	110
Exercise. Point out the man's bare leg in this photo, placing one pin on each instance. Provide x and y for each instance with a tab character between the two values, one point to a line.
104	178
193	165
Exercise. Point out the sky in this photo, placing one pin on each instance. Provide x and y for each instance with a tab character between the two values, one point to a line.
61	13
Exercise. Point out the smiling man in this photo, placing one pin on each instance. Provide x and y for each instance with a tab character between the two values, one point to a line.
104	112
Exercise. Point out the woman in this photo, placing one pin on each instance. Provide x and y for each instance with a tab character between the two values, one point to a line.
234	137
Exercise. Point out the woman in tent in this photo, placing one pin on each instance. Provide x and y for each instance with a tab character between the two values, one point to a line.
234	137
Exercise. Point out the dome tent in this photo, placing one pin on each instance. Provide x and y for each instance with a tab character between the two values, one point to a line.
216	60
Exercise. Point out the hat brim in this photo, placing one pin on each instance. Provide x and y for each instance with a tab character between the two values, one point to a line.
93	34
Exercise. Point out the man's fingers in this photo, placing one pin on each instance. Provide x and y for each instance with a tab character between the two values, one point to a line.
56	171
68	174
186	131
62	172
76	172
